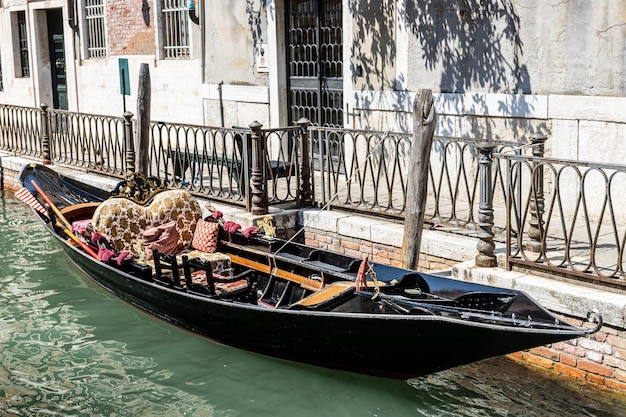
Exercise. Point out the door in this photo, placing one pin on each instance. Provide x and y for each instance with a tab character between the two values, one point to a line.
315	61
57	58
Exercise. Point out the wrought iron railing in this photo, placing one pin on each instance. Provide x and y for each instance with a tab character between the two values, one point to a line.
366	171
561	216
208	161
94	142
20	129
571	218
216	162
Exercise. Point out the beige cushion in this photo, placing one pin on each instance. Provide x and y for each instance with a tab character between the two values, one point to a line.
122	221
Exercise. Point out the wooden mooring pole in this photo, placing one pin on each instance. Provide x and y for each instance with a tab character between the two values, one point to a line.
424	120
142	141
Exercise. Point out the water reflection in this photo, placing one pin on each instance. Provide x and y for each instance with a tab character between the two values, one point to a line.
69	348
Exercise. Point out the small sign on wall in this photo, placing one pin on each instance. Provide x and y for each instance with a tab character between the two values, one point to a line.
124	77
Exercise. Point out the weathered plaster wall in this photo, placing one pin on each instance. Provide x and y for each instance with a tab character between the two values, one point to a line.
518	46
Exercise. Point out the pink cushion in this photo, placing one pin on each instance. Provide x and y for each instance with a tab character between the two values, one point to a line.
163	238
205	236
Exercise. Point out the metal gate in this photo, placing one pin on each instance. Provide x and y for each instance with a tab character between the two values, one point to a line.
315	61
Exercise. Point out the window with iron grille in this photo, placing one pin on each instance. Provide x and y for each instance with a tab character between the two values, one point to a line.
96	32
23	43
175	29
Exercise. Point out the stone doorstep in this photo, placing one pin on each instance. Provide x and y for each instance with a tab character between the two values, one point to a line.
560	297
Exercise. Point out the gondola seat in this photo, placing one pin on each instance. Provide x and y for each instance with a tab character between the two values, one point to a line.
199	273
122	220
220	262
195	274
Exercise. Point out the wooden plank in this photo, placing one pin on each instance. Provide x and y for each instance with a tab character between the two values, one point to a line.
143	119
304	282
424	120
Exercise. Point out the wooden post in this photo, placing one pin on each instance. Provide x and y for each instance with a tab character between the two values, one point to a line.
424	120
142	142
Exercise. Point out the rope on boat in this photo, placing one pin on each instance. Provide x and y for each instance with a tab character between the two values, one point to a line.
334	196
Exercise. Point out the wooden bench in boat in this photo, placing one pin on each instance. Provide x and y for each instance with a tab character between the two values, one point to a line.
328	293
331	292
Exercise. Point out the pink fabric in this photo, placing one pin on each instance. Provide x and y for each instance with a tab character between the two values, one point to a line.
217	214
163	238
124	256
205	236
105	254
250	231
79	226
231	227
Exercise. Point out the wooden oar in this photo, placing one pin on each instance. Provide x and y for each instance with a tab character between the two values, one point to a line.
67	228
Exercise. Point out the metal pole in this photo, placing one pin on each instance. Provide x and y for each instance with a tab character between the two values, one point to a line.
537	200
257	178
130	144
486	247
305	195
45	136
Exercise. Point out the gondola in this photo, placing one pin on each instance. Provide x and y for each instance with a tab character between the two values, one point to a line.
285	299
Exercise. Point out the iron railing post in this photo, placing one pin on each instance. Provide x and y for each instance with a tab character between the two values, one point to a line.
486	247
257	177
305	195
45	136
130	144
537	200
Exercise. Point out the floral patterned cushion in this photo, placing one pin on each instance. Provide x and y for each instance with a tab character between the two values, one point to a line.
122	220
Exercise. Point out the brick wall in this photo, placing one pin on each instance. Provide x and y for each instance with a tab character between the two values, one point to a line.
130	26
9	180
598	359
377	252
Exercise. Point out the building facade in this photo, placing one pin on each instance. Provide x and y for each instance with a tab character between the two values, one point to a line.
499	69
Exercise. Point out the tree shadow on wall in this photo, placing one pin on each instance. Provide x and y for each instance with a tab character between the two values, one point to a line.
474	45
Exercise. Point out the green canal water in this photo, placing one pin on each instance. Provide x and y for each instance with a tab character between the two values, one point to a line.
69	348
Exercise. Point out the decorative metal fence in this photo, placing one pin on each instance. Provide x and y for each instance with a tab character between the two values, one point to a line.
20	130
217	162
567	217
366	171
562	216
96	143
208	161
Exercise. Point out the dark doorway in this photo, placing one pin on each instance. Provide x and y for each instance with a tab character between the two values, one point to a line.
57	58
315	61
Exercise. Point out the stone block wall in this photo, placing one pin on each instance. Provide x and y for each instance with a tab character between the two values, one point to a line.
598	359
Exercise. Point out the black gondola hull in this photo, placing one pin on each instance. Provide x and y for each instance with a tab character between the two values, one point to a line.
393	345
